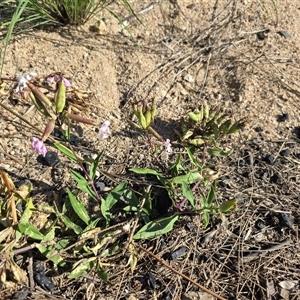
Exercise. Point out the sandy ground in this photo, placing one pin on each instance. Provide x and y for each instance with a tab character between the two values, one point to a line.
240	55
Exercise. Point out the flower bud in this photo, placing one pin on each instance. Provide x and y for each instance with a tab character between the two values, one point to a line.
39	105
49	128
39	95
60	97
81	119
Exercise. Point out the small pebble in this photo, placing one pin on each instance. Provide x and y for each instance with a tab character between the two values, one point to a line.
285	220
275	179
51	159
285	152
100	186
284	34
284	117
179	252
258	129
270	159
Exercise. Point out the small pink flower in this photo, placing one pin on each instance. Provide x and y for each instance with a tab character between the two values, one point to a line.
167	144
104	130
57	78
38	146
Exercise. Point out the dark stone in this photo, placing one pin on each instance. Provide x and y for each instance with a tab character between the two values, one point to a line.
51	159
270	159
284	34
189	227
38	267
261	35
179	252
44	281
285	220
100	186
285	152
259	224
258	129
275	178
282	118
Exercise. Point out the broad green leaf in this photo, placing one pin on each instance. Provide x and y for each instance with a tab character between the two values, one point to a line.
176	167
189	178
227	206
65	150
51	253
27	212
79	208
132	199
112	198
156	228
50	235
78	177
82	184
76	228
188	194
146	171
30	231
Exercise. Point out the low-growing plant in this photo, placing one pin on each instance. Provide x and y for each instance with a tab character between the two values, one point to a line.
190	182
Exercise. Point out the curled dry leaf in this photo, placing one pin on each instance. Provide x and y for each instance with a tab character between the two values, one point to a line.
288	284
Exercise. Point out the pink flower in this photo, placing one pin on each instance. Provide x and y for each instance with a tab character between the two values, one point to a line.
167	144
38	146
57	78
104	130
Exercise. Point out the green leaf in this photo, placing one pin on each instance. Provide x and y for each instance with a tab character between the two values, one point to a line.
79	208
211	194
219	152
27	212
188	194
82	268
156	228
190	152
82	184
65	150
227	206
189	178
206	217
146	171
49	236
30	231
76	228
102	273
112	198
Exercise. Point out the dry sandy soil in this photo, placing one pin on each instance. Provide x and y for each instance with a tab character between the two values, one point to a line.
240	55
